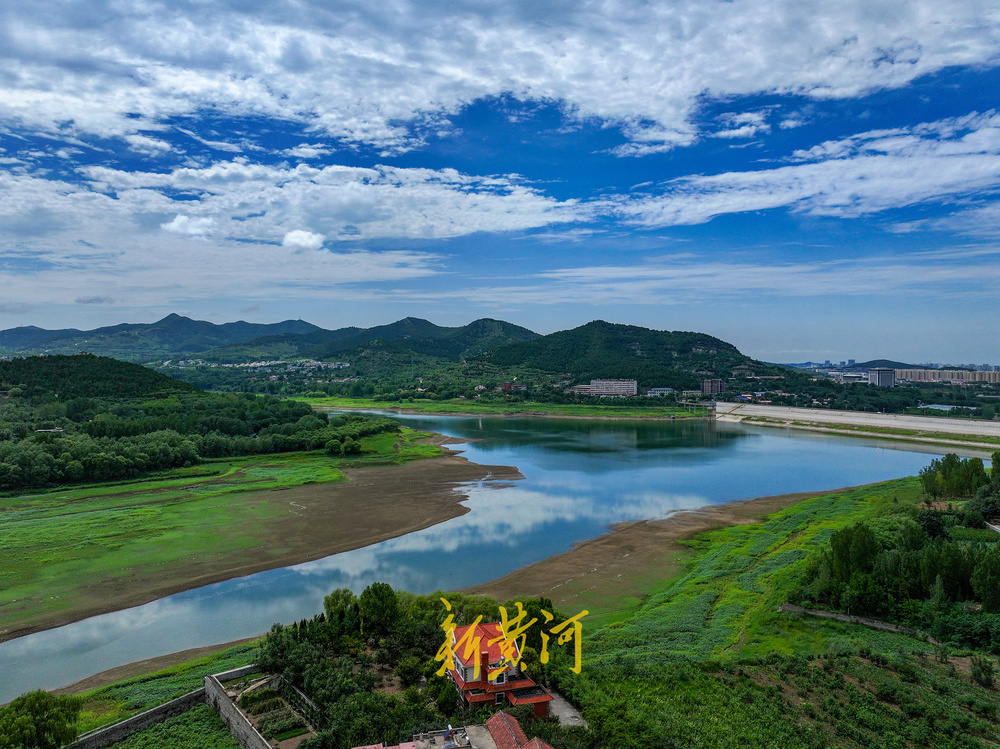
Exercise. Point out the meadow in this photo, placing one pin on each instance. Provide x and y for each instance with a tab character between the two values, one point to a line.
596	410
76	551
710	661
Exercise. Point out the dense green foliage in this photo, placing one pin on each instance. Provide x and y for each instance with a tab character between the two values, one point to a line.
198	728
85	376
47	438
38	720
342	658
710	661
934	569
654	358
951	476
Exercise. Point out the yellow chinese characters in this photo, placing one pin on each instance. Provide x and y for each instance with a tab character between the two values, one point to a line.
511	640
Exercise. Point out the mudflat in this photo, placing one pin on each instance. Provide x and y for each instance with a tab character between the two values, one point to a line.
304	523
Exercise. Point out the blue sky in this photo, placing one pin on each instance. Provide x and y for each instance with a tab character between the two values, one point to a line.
805	179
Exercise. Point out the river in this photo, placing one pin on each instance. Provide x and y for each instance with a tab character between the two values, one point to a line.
580	476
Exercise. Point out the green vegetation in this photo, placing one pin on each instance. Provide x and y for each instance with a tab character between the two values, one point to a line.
645	408
710	661
951	476
654	358
198	728
38	720
123	699
931	568
172	337
57	544
350	659
85	376
46	439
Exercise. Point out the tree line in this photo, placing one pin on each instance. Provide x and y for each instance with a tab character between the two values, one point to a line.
936	569
49	441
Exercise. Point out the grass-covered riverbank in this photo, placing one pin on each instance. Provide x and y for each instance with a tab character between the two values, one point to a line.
702	656
460	407
76	552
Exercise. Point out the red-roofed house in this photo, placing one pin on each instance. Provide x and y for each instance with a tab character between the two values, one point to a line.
510	686
506	731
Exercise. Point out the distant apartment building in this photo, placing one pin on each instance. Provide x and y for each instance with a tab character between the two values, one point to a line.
614	388
946	375
882	377
713	387
657	392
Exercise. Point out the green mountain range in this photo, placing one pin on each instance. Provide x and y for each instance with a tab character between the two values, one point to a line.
414	348
172	337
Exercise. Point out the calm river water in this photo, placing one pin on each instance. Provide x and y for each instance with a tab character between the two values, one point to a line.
580	476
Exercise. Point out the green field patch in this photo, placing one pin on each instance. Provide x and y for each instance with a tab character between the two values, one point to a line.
55	544
523	408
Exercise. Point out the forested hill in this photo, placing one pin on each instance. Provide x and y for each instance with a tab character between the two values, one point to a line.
173	336
654	358
405	338
86	376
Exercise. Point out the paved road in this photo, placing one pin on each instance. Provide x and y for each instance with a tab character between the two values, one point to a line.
738	411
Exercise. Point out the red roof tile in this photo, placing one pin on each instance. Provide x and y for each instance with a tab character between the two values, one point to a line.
537	743
506	731
486	631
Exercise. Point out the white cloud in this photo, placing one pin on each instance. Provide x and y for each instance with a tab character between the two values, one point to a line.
192	227
264	203
308	151
149	146
300	240
362	71
864	174
683	279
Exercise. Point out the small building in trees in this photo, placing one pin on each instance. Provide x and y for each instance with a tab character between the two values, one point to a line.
510	686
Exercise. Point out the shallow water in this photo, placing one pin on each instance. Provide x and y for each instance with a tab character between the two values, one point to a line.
580	476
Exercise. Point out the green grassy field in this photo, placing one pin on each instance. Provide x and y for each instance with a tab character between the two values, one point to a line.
198	728
524	408
128	697
56	544
709	661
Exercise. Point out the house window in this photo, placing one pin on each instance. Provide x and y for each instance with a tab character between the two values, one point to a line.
501	678
499	699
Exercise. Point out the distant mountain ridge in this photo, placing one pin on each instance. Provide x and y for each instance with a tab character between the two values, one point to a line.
601	349
414	347
171	337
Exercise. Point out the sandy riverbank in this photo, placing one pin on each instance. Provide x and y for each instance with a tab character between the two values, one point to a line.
373	505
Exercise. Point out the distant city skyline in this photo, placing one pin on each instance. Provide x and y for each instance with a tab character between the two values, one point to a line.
796	178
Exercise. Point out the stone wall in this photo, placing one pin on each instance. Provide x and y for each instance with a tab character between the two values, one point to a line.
241	729
110	734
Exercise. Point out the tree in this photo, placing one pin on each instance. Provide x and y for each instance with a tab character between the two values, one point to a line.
39	720
986	580
379	609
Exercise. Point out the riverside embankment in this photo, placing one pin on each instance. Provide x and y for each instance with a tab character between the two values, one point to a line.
927	429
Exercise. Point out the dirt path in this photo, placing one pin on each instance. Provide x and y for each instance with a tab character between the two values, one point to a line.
614	571
375	504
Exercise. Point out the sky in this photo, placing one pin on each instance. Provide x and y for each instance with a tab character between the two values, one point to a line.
806	179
